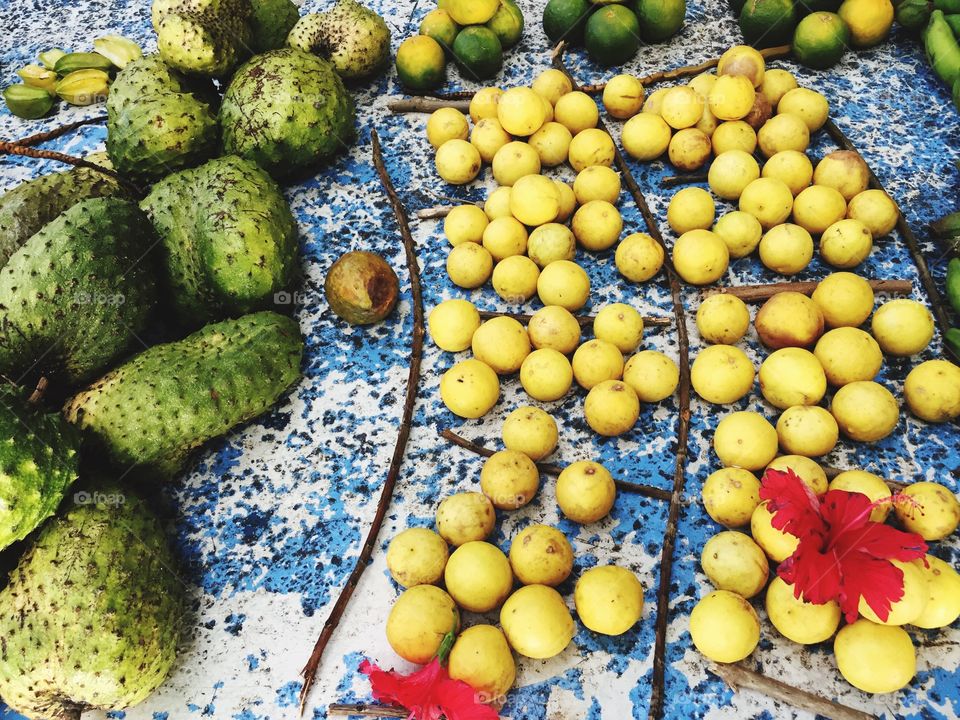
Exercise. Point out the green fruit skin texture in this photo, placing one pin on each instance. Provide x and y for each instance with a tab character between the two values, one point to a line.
565	20
271	22
203	37
76	295
953	284
352	37
39	458
913	14
92	614
157	407
758	32
612	35
32	204
478	52
650	16
286	110
942	49
229	238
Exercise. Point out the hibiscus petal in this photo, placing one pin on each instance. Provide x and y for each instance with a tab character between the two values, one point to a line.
814	575
879	582
459	702
795	509
416	692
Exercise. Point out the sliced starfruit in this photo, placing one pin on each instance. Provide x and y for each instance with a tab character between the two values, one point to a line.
117	49
39	77
72	62
28	102
49	58
84	87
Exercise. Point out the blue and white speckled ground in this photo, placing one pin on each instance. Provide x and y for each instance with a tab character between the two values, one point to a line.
270	518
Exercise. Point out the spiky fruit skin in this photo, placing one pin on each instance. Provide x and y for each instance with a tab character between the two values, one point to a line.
154	409
76	295
286	110
271	22
38	461
92	614
352	37
229	238
202	37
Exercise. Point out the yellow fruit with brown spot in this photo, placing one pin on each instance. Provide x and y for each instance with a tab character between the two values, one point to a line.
481	658
652	375
789	319
417	556
609	599
510	479
700	257
536	621
723	319
541	555
865	411
464	517
724	627
808	430
722	374
848	354
611	408
792	376
419	620
733	561
730	496
929	509
746	440
585	491
932	390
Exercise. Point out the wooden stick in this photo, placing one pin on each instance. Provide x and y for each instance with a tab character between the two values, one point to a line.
366	710
756	293
674	180
584	320
56	132
422	104
413	381
39	391
740	678
554	470
11	148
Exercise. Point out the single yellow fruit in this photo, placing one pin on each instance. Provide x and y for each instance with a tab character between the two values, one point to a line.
740	231
446	124
652	375
585	491
707	123
552	85
783	132
691	208
591	147
521	112
515	279
576	111
700	257
481	658
808	430
417	556
846	243
776	84
620	325
722	374
730	496
902	327
844	171
865	411
703	83
931	510
535	200
654	101
943	603
808	105
723	319
769	200
465	223
531	431
452	324
564	283
932	390
732	97
798	620
514	161
510	479
777	544
818	207
724	627
806	469
623	96
786	249
469	389
645	136
734	135
689	149
597	225
537	622
743	60
598	182
911	605
789	319
505	237
469	265
746	440
869	21
419	620
681	107
465	517
568	201
546	374
541	555
876	210
845	299
596	361
611	408
497	204
478	576
875	658
551	143
554	327
471	12
502	343
639	257
488	137
609	599
848	354
868	484
791	166
730	173
458	162
551	242
733	561
484	104
792	376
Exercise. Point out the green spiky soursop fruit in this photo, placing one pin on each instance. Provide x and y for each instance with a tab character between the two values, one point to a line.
153	410
271	22
91	616
38	461
286	110
76	295
354	38
229	238
155	124
202	37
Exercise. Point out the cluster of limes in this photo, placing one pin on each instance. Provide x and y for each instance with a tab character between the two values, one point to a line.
479	577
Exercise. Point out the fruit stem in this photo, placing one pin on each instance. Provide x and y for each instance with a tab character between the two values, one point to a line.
12	148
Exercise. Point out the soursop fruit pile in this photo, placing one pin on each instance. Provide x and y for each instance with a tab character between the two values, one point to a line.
354	38
229	238
91	616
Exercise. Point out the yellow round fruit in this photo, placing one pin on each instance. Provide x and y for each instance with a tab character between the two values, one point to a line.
786	249
865	411
447	124
510	479
591	147
902	327
700	257
484	104
551	143
745	440
481	658
769	200
743	60
808	105
783	132
943	602
551	242
932	390
681	107
845	299
646	136
554	327
536	621
620	325
724	627
911	605
552	85
597	182
776	84
876	210
611	408
930	510
818	207
791	166
596	361
458	162
546	375
417	556
703	83
777	544
623	96
568	201
868	484
465	517
798	620
585	491
731	97
488	137
789	319
730	496
730	173
689	149
576	111
469	389
505	237
652	375
875	658
541	555
740	231
515	279
521	112
733	561
502	343
597	225
846	243
869	21
844	171
722	374
792	376
848	354
531	431
639	257
478	576
691	208
535	200
514	161
804	468
497	204
723	319
733	135
707	123
808	430
419	620
452	324
654	101
609	599
471	12
465	223
564	283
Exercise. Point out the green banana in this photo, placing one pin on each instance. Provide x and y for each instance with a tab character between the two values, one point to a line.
954	22
947	6
947	226
942	49
953	284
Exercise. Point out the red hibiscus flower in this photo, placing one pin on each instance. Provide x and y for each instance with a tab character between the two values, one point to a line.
843	555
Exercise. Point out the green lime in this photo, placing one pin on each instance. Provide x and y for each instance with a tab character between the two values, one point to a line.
612	35
478	52
660	19
767	23
439	25
820	40
421	63
564	20
507	24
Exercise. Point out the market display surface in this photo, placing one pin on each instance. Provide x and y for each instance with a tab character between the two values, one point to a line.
266	522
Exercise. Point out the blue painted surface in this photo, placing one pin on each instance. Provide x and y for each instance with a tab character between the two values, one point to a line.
270	518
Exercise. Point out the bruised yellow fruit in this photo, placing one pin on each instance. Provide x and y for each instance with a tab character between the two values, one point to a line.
845	299
786	249
740	231
723	319
654	101
478	576
730	496
564	283
598	182
681	107
846	244
769	200
910	605
481	658
497	204
465	223
876	210
722	374
417	556
501	343
875	658
689	149
798	620
514	161
469	389
777	544
488	137
848	354
639	257
703	83
743	60
596	361
792	376
552	144
446	124
550	242
419	620
844	171
535	200
746	440
691	208
733	135
806	469
484	103
591	147
733	561
510	479
724	627
469	265
458	162
902	327
776	84
552	85
700	257
623	96
611	408
932	390
943	601
791	166
541	555
732	97
929	509
554	327
868	484
452	324
609	599
465	517
789	319
576	111
536	621
597	225
783	132
646	136
808	430
505	237
818	207
730	173
865	411
620	325
546	375
531	431
585	491
521	112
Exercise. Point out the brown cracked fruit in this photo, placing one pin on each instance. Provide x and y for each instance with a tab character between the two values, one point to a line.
361	288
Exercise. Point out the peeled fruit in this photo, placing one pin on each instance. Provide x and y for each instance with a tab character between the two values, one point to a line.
848	354
798	620
928	509
652	375
865	411
730	496
470	389
789	319
722	374
537	622
943	602
777	544
746	440
419	620
902	327
609	599
792	376
875	658
531	431
932	390
541	555
452	324
723	319
734	562
807	430
465	517
502	343
724	627
361	288
481	658
417	556
585	491
911	605
867	484
510	479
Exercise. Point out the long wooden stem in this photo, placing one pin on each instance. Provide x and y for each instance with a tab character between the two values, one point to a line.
674	180
56	132
11	148
584	320
403	435
426	105
366	710
756	293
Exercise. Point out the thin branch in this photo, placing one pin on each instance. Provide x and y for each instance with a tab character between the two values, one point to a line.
422	104
10	148
584	320
365	710
56	132
37	395
674	180
756	293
